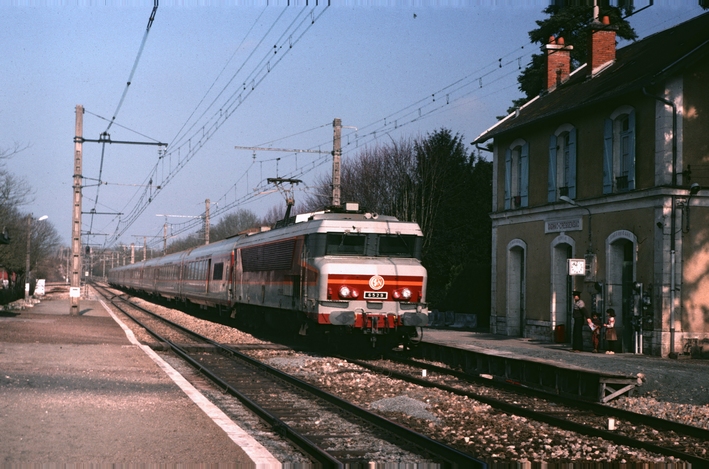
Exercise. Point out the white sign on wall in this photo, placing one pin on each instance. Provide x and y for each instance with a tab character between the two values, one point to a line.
566	224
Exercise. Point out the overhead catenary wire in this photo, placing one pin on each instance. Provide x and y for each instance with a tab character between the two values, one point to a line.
135	64
411	113
226	206
433	103
118	107
86	111
217	119
141	200
176	140
248	83
415	111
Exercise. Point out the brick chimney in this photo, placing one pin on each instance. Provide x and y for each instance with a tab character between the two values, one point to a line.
558	58
601	47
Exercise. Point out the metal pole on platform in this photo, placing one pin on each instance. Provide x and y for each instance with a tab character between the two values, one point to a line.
75	287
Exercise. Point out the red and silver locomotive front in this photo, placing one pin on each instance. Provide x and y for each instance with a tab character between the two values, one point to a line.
369	276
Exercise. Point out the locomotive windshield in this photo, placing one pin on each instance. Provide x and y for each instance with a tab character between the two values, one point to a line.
346	244
368	245
397	245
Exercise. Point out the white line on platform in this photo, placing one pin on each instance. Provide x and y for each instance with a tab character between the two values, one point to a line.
257	452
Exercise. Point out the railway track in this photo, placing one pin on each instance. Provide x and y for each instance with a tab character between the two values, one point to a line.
661	436
653	435
331	431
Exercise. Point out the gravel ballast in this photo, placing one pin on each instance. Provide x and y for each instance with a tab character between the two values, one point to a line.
477	428
674	389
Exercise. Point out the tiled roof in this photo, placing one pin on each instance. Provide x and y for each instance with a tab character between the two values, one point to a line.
640	64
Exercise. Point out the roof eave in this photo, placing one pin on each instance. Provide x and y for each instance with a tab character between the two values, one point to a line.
482	138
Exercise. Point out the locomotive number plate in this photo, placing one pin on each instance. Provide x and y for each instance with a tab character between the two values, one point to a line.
375	295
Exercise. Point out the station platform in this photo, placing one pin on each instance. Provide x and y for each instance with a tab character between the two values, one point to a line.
81	390
556	368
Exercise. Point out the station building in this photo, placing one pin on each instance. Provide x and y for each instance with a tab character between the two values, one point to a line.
607	170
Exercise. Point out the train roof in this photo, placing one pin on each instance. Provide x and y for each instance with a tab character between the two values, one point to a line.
329	222
342	221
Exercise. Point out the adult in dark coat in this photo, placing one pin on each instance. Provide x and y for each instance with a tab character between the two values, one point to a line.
580	318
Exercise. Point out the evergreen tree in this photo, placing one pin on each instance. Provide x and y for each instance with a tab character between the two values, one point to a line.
570	21
454	198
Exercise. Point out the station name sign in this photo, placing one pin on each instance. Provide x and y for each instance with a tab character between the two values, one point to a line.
566	224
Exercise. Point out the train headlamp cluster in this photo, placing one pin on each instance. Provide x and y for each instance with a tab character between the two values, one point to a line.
401	294
347	293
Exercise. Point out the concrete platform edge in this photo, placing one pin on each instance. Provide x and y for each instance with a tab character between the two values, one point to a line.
261	457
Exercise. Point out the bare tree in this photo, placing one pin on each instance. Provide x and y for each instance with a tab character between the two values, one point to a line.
14	193
233	224
44	246
230	225
7	153
277	213
378	178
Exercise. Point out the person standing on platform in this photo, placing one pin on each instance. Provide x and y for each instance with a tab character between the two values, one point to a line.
580	317
595	324
611	334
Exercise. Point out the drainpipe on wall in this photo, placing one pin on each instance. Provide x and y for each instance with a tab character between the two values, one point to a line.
673	220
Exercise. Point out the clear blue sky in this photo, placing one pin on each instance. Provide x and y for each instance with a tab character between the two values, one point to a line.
391	69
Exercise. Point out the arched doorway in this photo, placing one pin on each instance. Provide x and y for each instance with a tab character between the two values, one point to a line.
516	287
621	248
562	249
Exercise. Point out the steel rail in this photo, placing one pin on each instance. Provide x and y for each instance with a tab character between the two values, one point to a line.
535	415
600	409
278	425
452	456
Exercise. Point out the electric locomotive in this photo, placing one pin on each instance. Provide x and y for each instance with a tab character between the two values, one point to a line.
344	274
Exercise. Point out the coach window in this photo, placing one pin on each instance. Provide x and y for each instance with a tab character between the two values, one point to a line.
619	151
517	175
562	163
218	271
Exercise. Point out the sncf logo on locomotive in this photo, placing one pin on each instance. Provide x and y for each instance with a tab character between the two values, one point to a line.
376	282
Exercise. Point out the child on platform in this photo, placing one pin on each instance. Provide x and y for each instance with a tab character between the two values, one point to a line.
595	325
611	335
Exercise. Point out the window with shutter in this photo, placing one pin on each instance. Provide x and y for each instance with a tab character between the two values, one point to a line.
619	151
517	175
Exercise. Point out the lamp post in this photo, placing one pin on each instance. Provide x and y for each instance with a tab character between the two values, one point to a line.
570	201
27	267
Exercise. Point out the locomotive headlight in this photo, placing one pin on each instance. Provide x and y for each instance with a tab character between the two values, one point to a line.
345	292
402	294
354	294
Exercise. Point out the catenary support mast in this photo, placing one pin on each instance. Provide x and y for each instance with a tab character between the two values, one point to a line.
336	160
76	215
